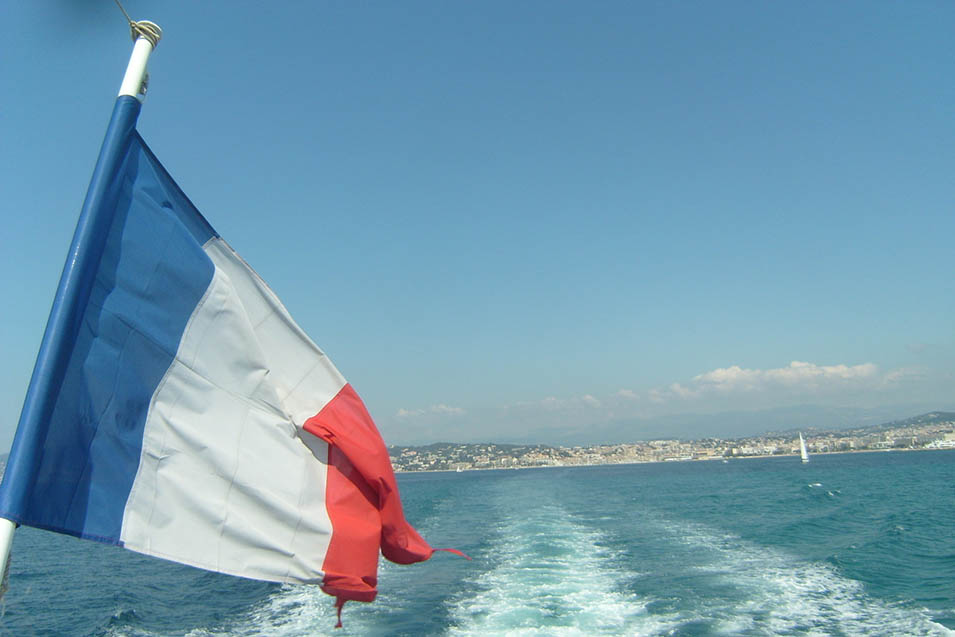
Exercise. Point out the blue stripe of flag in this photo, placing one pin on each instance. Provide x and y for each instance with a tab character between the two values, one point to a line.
134	275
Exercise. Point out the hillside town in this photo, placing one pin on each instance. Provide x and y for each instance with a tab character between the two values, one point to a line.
925	432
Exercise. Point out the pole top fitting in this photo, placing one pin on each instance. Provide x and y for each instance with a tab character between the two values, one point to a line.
146	35
145	29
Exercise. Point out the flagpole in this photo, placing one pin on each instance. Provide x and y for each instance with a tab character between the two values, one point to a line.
146	36
6	541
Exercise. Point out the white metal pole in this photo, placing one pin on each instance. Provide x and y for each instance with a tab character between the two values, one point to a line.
134	85
134	82
6	541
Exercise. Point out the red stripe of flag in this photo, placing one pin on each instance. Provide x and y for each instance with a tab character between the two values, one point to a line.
362	501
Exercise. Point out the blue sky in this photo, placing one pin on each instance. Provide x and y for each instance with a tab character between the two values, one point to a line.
510	221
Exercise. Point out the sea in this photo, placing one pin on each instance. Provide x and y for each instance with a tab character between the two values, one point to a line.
848	544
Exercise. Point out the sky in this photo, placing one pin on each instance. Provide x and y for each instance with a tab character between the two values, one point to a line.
534	221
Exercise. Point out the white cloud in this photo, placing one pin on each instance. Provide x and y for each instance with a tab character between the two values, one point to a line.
440	409
796	379
724	388
445	409
798	375
683	392
552	403
590	400
904	374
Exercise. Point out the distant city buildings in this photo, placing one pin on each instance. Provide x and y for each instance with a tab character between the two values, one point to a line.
930	431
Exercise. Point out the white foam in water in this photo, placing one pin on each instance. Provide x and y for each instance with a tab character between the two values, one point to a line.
784	595
292	611
552	577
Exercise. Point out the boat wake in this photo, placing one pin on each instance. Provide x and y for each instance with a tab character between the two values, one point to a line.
552	576
768	592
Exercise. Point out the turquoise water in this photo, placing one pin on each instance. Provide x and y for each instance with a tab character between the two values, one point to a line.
854	544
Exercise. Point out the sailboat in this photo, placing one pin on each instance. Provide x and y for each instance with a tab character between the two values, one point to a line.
802	449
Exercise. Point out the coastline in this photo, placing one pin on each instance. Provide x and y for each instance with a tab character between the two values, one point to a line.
666	460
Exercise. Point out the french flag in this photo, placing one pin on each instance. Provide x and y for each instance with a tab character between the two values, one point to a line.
177	410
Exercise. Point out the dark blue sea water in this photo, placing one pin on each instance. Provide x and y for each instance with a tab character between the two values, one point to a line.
855	544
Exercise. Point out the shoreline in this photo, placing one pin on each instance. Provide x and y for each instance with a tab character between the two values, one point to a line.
671	460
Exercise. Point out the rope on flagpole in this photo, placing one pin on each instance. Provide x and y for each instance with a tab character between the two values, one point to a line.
142	29
146	35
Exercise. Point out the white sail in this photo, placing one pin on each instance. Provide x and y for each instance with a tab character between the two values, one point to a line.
802	449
